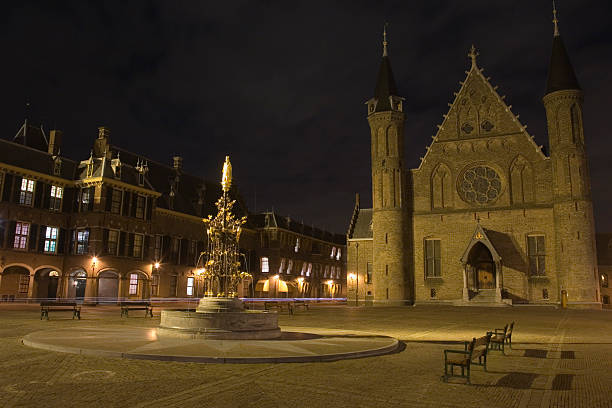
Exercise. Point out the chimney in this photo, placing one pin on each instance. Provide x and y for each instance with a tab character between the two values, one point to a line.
103	132
177	162
55	142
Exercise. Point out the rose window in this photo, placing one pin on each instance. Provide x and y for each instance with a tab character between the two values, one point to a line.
480	185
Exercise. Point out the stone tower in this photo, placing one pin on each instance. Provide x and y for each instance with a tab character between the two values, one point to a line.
572	206
389	216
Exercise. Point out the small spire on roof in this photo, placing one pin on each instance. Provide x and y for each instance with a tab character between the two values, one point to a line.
385	42
555	20
473	54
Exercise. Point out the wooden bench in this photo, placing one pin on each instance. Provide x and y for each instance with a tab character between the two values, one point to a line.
475	349
45	307
127	306
300	303
501	337
280	305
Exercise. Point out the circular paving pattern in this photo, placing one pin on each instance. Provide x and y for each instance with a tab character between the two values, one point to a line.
297	344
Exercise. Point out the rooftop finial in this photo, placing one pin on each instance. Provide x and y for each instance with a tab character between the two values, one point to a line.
385	42
473	54
555	20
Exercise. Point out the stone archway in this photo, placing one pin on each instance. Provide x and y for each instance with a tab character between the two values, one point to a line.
108	286
77	283
15	283
46	281
482	274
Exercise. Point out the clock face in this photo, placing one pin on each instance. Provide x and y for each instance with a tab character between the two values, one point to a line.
479	184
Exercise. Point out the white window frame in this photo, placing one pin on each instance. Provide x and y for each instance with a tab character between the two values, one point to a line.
265	264
55	198
82	241
51	235
26	193
190	285
133	287
21	239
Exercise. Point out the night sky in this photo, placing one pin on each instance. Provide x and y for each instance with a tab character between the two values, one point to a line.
280	86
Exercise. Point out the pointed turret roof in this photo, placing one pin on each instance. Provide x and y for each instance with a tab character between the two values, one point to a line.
385	85
560	71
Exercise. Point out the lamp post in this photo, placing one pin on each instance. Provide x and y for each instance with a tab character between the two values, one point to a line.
155	266
357	274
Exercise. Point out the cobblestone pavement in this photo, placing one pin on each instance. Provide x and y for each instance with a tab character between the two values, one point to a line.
559	359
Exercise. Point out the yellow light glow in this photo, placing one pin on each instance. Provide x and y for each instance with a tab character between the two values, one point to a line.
352	275
94	260
156	265
300	280
275	277
330	282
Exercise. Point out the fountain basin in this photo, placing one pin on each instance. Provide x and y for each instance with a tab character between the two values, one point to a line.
228	325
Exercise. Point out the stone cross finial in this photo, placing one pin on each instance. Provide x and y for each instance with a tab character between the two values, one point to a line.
555	20
473	54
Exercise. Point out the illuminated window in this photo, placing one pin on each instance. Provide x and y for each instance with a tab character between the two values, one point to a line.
24	283
432	258
137	252
50	240
304	266
604	280
333	252
190	282
290	266
22	230
140	206
112	243
82	241
338	254
309	270
265	264
537	255
369	273
297	245
133	284
55	201
116	201
27	192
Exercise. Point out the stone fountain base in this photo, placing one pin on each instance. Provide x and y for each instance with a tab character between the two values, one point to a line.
221	319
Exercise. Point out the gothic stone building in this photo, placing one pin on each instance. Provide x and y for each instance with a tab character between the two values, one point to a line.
487	216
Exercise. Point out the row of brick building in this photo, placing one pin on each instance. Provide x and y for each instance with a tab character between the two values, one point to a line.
118	225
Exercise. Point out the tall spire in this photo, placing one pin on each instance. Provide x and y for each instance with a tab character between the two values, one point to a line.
561	74
385	43
385	85
555	20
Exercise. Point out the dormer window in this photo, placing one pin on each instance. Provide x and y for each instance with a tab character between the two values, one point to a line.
297	245
90	169
57	166
141	179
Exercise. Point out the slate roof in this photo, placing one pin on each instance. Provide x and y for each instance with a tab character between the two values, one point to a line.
29	158
361	226
274	220
561	74
385	86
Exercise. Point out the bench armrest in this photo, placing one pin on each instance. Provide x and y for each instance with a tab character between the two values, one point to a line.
456	351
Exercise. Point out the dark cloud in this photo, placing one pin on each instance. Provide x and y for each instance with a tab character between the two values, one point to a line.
280	85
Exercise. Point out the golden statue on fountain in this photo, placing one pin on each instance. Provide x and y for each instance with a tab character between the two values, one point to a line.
220	313
221	273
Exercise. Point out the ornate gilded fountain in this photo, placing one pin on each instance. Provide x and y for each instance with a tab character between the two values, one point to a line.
220	313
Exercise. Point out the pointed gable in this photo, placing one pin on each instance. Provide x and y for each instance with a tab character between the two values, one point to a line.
478	111
480	235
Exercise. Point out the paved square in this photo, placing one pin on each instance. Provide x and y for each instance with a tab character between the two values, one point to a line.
559	359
